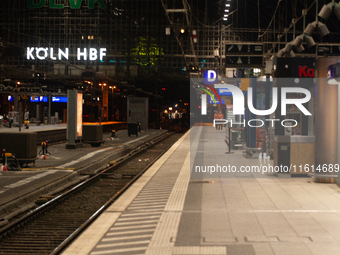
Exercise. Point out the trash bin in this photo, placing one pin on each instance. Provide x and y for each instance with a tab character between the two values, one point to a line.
133	129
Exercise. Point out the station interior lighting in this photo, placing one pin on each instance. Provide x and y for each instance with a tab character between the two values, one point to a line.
226	9
182	30
327	9
170	108
256	70
321	27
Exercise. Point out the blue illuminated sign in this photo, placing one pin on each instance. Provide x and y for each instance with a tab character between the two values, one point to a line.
224	92
59	99
210	76
39	99
10	98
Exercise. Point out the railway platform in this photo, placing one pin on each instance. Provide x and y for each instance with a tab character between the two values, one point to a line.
63	167
173	209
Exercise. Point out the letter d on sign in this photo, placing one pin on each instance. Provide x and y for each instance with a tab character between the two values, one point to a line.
211	76
30	4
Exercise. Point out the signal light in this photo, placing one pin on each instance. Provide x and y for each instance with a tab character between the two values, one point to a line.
163	88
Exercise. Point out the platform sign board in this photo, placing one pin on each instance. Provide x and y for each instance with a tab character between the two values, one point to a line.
59	99
210	76
74	117
244	55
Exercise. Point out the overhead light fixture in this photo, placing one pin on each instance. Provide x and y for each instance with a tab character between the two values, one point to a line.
322	29
288	47
182	30
309	41
280	53
227	5
300	48
226	10
298	41
310	28
326	11
337	10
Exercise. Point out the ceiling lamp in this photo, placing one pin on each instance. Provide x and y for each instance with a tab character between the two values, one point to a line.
337	10
309	41
326	11
288	47
280	53
322	29
298	41
310	28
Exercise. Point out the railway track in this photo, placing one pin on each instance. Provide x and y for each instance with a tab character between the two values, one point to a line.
49	228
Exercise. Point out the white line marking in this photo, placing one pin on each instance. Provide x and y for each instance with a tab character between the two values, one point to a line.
147	200
131	207
137	214
110	239
133	227
91	154
136	139
128	232
117	251
30	179
153	197
149	203
168	224
134	223
147	210
139	218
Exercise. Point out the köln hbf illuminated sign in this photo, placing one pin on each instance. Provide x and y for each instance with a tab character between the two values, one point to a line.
42	53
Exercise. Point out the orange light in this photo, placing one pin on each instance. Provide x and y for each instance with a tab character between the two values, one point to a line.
104	84
100	84
114	87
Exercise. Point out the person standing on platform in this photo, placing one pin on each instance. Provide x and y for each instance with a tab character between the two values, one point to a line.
221	117
216	116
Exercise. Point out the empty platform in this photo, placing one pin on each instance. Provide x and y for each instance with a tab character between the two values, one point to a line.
172	209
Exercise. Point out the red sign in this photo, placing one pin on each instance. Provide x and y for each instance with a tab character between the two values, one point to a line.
304	72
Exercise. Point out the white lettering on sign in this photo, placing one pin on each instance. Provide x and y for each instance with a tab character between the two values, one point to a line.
82	54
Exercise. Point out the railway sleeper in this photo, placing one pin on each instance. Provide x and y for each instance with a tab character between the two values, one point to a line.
119	175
